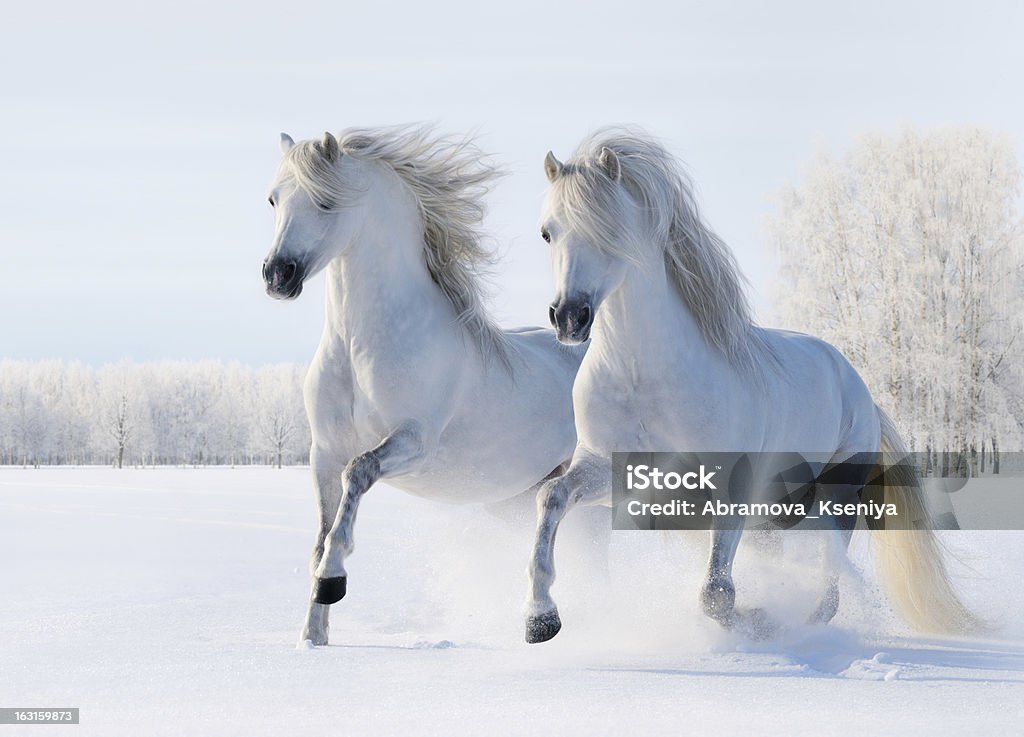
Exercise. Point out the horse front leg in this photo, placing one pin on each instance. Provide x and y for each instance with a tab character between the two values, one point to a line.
327	470
718	597
395	455
588	481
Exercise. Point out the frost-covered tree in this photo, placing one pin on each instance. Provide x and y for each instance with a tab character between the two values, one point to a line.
157	413
907	253
235	414
279	413
72	397
28	423
122	410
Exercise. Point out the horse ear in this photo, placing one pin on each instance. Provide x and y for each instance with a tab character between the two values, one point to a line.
330	146
286	143
608	160
552	166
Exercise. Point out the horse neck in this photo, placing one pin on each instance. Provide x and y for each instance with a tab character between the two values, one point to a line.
382	279
645	317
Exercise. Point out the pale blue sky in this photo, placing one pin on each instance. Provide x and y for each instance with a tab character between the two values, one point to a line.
138	139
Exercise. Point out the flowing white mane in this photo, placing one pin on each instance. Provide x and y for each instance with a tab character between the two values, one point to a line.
699	262
449	179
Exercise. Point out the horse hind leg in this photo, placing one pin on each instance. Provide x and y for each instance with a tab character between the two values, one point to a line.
836	542
718	595
828	603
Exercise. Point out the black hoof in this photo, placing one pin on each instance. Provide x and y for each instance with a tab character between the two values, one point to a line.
329	590
542	627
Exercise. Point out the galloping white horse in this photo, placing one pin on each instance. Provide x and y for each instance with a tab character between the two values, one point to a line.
675	363
412	382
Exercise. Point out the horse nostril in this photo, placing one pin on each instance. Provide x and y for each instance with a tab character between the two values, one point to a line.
584	316
264	271
551	315
289	271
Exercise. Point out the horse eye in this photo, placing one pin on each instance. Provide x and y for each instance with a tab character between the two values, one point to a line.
545	235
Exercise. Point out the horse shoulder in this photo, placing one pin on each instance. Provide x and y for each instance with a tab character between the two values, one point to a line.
403	376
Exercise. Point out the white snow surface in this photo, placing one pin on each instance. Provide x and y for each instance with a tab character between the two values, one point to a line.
170	601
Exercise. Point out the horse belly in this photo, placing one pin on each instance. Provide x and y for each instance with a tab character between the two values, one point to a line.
458	486
506	436
481	462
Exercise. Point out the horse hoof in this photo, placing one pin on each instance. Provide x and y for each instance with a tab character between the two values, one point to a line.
542	627
718	599
330	590
827	607
823	614
309	640
755	624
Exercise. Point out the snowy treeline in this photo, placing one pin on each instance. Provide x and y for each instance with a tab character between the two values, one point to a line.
907	253
152	413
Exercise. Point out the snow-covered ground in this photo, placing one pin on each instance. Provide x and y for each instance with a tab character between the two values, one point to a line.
170	601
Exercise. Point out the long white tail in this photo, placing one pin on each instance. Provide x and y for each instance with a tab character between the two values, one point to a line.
910	562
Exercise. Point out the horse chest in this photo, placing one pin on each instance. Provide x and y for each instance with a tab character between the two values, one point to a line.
640	407
390	386
375	392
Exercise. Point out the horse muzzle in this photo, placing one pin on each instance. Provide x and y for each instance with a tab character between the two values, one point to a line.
283	277
571	319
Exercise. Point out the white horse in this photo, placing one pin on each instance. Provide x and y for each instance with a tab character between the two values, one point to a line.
676	363
412	382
